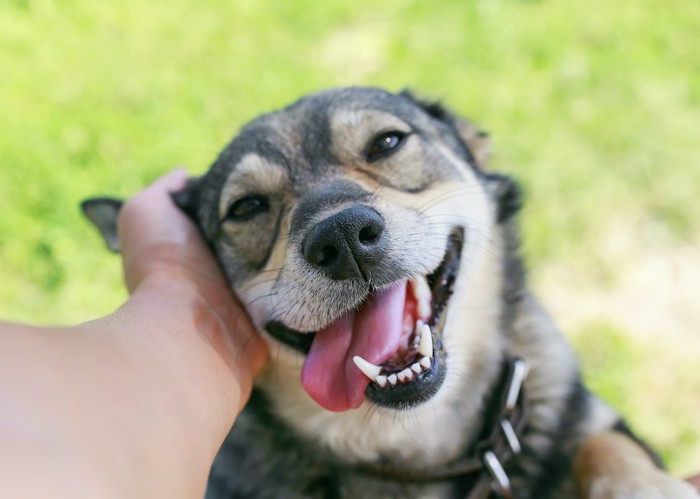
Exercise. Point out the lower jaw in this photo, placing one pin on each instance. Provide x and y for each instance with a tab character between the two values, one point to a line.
421	388
407	395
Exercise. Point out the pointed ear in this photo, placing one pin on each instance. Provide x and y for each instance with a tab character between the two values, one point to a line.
506	193
188	199
475	140
103	213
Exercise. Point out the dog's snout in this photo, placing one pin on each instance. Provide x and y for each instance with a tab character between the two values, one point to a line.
347	244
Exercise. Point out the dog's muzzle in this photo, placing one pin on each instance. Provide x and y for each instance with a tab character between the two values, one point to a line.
388	348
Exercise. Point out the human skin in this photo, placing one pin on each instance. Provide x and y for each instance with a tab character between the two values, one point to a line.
136	403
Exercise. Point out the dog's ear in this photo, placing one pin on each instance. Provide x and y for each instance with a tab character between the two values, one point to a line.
103	213
504	190
475	141
507	194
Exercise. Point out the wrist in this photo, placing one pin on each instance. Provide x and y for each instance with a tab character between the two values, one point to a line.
169	335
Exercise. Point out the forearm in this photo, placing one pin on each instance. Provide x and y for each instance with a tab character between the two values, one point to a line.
125	406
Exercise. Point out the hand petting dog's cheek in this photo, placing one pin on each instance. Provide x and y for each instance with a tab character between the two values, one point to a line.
172	276
160	243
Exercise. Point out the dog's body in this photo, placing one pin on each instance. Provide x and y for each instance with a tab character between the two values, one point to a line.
361	215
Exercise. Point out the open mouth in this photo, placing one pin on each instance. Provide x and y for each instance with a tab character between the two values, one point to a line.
389	350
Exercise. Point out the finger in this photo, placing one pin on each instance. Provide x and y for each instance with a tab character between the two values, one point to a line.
157	237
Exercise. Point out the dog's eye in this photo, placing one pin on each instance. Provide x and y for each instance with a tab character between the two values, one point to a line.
246	208
384	144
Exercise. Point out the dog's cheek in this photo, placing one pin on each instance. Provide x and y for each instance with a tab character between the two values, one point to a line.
255	288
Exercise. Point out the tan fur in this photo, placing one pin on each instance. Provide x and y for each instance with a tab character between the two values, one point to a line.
609	465
252	172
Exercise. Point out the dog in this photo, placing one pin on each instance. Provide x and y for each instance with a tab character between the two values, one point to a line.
379	258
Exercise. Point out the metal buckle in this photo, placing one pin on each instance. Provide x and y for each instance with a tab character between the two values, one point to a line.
517	379
511	437
498	474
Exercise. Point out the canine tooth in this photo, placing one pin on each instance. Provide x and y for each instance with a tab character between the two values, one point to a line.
419	327
423	295
426	341
392	379
420	288
424	309
369	369
381	380
416	368
425	362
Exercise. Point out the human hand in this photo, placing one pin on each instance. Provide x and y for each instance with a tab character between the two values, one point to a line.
137	403
173	277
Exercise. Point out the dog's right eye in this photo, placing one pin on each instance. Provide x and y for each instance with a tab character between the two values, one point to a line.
246	208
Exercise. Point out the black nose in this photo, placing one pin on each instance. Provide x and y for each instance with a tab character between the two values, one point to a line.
348	244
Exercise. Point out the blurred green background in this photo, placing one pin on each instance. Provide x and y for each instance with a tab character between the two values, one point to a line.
594	106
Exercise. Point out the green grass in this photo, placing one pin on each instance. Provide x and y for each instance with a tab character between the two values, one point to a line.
594	106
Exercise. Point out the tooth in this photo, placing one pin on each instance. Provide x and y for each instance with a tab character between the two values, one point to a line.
420	288
425	362
392	379
426	341
423	295
369	369
424	309
381	380
419	327
416	368
407	375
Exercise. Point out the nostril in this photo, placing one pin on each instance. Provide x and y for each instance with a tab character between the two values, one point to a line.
325	256
370	233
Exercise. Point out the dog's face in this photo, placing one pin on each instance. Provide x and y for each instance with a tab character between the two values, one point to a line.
360	234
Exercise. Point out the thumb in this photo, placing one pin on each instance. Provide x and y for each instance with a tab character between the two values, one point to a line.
157	237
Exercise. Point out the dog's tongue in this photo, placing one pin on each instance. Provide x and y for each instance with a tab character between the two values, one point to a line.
329	375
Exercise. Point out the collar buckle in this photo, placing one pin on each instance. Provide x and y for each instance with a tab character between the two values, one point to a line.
503	443
498	474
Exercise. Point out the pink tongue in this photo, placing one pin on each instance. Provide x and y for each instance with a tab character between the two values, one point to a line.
329	375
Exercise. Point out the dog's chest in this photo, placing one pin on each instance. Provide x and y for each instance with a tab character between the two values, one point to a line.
263	459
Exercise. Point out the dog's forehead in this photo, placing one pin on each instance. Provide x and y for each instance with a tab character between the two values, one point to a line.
328	103
300	137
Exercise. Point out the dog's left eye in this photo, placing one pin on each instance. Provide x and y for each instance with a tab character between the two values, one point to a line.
246	208
384	144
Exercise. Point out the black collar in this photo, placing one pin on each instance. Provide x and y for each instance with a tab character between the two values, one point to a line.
482	466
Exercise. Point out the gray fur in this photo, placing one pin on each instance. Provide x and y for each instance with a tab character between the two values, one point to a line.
312	157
